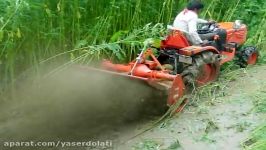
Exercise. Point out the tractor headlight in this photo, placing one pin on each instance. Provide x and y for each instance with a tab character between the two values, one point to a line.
237	24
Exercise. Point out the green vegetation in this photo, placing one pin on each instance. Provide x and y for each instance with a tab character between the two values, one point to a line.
79	31
257	139
210	94
34	32
147	145
153	145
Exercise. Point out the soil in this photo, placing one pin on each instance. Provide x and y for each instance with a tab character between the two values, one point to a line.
215	124
62	109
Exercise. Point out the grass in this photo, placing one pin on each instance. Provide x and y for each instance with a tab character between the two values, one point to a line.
33	33
213	91
257	139
147	145
58	27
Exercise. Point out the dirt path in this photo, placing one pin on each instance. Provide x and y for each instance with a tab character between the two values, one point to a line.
221	123
71	99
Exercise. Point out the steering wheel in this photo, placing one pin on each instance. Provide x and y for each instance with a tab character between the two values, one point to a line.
207	27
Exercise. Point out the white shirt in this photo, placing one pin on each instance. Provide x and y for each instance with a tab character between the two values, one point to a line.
186	21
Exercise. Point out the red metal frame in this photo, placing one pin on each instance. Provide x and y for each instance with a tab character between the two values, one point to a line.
144	71
153	73
193	50
228	55
176	39
175	92
234	35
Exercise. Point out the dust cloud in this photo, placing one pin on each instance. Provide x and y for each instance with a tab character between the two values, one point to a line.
76	104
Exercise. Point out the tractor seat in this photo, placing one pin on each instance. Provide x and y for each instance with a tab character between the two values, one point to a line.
176	39
184	33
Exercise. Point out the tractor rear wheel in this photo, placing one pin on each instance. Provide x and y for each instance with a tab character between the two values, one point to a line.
248	56
205	68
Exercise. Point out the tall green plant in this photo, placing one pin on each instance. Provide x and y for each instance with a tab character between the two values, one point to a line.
33	31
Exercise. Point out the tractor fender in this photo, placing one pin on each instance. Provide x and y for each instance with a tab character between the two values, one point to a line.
193	50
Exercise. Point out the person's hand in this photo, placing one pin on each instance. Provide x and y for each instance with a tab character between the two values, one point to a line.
211	21
204	42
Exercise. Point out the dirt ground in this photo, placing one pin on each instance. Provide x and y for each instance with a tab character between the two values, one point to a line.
215	124
72	107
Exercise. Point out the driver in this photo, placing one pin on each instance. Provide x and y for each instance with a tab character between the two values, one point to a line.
187	20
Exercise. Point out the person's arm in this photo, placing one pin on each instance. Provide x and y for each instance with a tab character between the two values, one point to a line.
192	30
202	21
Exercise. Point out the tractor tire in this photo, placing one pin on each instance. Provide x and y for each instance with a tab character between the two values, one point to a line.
247	56
205	68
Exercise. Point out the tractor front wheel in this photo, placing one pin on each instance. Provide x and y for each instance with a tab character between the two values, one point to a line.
248	56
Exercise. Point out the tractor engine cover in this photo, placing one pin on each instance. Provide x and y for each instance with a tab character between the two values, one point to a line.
234	35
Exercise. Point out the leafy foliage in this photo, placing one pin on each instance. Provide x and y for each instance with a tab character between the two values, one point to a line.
257	141
36	31
147	145
39	31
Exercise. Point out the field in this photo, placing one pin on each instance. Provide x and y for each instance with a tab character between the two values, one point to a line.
44	96
227	119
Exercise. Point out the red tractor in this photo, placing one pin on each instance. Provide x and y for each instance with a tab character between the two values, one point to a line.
178	64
